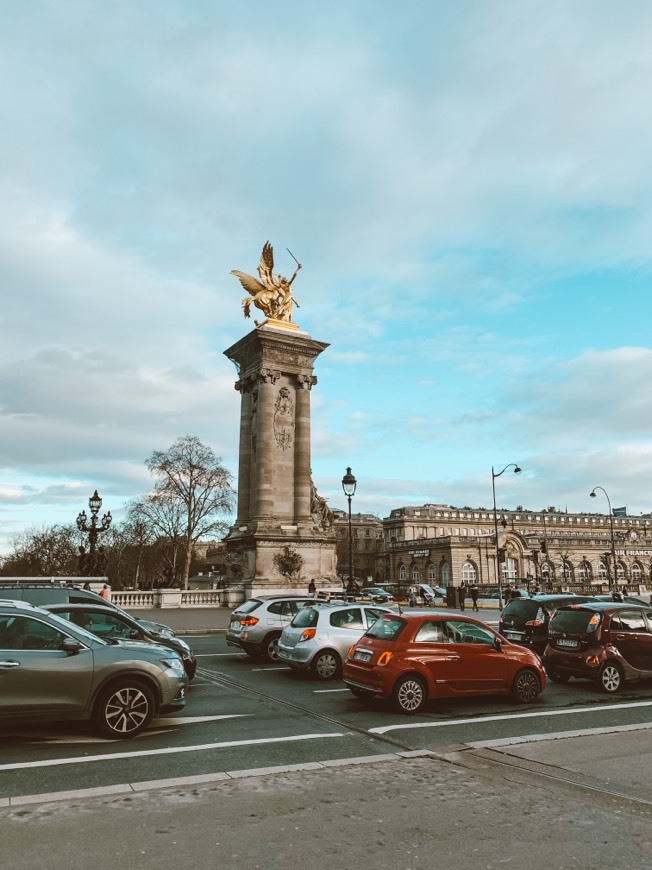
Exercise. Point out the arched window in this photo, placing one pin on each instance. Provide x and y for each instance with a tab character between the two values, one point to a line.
468	573
584	573
566	571
445	573
546	573
637	573
620	572
402	574
603	577
416	574
509	570
432	574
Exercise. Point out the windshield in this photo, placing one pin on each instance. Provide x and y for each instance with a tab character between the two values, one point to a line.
521	608
386	628
77	630
575	621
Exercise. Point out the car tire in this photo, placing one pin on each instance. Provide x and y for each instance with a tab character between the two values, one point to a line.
526	687
409	695
124	709
610	678
326	665
556	677
270	647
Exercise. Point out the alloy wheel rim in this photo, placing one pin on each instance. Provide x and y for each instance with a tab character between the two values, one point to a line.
527	687
410	695
126	710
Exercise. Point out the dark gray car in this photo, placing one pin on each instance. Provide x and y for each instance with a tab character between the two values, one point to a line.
53	669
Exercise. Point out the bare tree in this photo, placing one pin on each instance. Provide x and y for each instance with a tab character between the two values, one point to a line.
46	552
192	492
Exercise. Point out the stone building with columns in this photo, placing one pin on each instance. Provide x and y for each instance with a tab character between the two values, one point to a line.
442	545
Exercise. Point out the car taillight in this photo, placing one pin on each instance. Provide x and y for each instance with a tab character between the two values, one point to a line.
307	634
385	658
534	622
350	652
249	620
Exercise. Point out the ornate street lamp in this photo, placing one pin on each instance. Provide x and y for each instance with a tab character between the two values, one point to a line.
494	475
613	582
88	561
349	484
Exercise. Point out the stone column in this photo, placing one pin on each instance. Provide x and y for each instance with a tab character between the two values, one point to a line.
302	471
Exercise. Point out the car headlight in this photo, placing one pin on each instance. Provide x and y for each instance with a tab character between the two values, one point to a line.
174	664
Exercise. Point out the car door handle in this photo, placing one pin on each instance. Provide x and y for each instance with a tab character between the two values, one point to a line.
452	658
620	637
10	663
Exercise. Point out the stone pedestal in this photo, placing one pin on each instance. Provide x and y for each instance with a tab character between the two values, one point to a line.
276	503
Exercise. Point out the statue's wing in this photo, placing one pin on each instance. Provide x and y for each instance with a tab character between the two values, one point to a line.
266	267
252	285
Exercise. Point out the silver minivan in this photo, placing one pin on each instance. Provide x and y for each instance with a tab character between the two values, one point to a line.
319	637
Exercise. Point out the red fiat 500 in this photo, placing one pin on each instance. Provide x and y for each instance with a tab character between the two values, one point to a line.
411	658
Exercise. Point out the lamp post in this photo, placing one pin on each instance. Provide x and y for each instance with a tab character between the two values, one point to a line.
613	583
494	475
349	484
88	561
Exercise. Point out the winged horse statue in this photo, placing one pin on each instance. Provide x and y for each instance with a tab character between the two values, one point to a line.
272	295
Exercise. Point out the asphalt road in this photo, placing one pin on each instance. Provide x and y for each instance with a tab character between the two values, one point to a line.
265	759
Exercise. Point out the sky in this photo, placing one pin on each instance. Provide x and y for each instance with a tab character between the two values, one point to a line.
468	188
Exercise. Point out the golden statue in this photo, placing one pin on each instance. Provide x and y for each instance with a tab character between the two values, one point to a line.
272	295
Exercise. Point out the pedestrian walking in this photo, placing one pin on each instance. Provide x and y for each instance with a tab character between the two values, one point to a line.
312	588
462	594
474	595
105	592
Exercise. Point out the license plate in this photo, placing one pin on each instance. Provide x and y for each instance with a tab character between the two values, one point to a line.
362	655
562	641
513	635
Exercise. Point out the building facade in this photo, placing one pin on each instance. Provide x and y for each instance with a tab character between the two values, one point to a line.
443	545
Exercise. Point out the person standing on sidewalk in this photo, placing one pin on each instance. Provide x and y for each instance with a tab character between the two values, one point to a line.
474	596
462	594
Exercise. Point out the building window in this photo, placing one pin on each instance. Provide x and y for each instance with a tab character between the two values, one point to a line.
566	571
637	573
468	573
620	572
509	570
445	574
402	574
602	573
432	574
416	575
584	573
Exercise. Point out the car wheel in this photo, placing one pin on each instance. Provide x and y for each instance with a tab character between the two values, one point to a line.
124	709
326	665
525	687
610	678
270	647
409	695
556	677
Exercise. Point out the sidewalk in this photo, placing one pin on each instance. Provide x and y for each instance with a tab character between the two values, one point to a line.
215	620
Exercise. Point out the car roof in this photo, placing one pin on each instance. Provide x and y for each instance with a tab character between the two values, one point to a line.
18	604
414	615
603	606
85	605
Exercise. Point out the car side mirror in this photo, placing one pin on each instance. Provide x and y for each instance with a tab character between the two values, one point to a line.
71	646
498	644
134	633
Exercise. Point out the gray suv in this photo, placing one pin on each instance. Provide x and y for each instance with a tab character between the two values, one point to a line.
53	669
256	625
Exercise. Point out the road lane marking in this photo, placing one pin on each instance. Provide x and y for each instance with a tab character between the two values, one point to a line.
325	691
443	724
201	747
192	720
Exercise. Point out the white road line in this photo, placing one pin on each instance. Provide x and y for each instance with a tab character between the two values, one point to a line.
202	747
192	720
445	723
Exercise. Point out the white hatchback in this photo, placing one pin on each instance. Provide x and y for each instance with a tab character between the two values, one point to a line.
319	637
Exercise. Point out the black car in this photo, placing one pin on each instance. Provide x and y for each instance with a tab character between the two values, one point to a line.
106	622
525	620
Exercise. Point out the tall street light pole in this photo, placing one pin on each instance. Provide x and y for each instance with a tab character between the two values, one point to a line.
88	564
349	484
613	582
494	475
